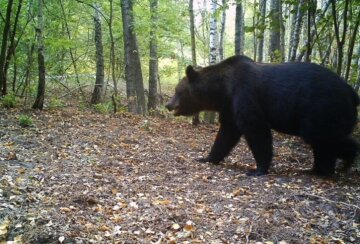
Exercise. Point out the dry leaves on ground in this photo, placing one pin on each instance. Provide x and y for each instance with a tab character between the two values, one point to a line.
81	177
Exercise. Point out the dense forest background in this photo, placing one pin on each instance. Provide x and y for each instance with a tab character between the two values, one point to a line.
126	55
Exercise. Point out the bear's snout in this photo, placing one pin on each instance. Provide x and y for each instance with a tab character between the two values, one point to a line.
171	104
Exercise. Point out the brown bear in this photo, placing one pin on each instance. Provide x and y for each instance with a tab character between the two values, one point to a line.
301	99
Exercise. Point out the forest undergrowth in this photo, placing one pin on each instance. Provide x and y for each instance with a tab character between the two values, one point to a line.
84	177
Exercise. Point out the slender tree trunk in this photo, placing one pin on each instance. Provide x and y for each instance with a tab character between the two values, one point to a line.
340	37
213	34
11	50
210	116
311	8
282	33
133	73
192	32
99	83
239	28
195	118
222	30
352	41
39	101
314	33
112	50
295	35
275	31
4	46
29	64
261	33
153	65
353	71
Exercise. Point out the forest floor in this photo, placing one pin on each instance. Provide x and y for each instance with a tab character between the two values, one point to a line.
82	177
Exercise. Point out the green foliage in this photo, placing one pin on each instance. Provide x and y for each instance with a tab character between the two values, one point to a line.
9	101
103	108
56	103
25	121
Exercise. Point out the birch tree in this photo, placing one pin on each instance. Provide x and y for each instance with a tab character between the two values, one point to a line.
296	30
213	45
222	30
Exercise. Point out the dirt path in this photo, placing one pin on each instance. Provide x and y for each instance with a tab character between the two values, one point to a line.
81	177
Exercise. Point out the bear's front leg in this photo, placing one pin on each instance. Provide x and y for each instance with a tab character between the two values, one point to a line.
227	137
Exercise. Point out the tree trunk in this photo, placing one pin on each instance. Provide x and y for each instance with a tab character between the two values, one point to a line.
352	41
296	31
314	33
133	73
39	101
4	46
11	50
261	33
153	65
353	71
222	30
112	50
99	83
311	8
195	118
239	28
340	40
192	32
275	31
210	116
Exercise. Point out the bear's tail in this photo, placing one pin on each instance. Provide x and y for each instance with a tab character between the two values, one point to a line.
347	150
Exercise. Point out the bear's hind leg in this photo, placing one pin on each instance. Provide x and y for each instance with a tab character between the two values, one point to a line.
259	141
347	150
324	159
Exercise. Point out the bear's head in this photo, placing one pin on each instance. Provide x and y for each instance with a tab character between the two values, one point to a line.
187	98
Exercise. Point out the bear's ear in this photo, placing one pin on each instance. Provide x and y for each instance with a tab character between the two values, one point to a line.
191	73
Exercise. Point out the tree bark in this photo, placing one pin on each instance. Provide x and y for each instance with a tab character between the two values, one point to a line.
340	40
153	63
261	33
133	73
210	116
314	33
275	31
296	30
195	118
352	41
239	28
39	101
4	47
99	83
222	30
192	32
112	50
11	50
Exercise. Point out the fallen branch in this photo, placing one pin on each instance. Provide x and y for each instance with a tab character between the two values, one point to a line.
328	200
